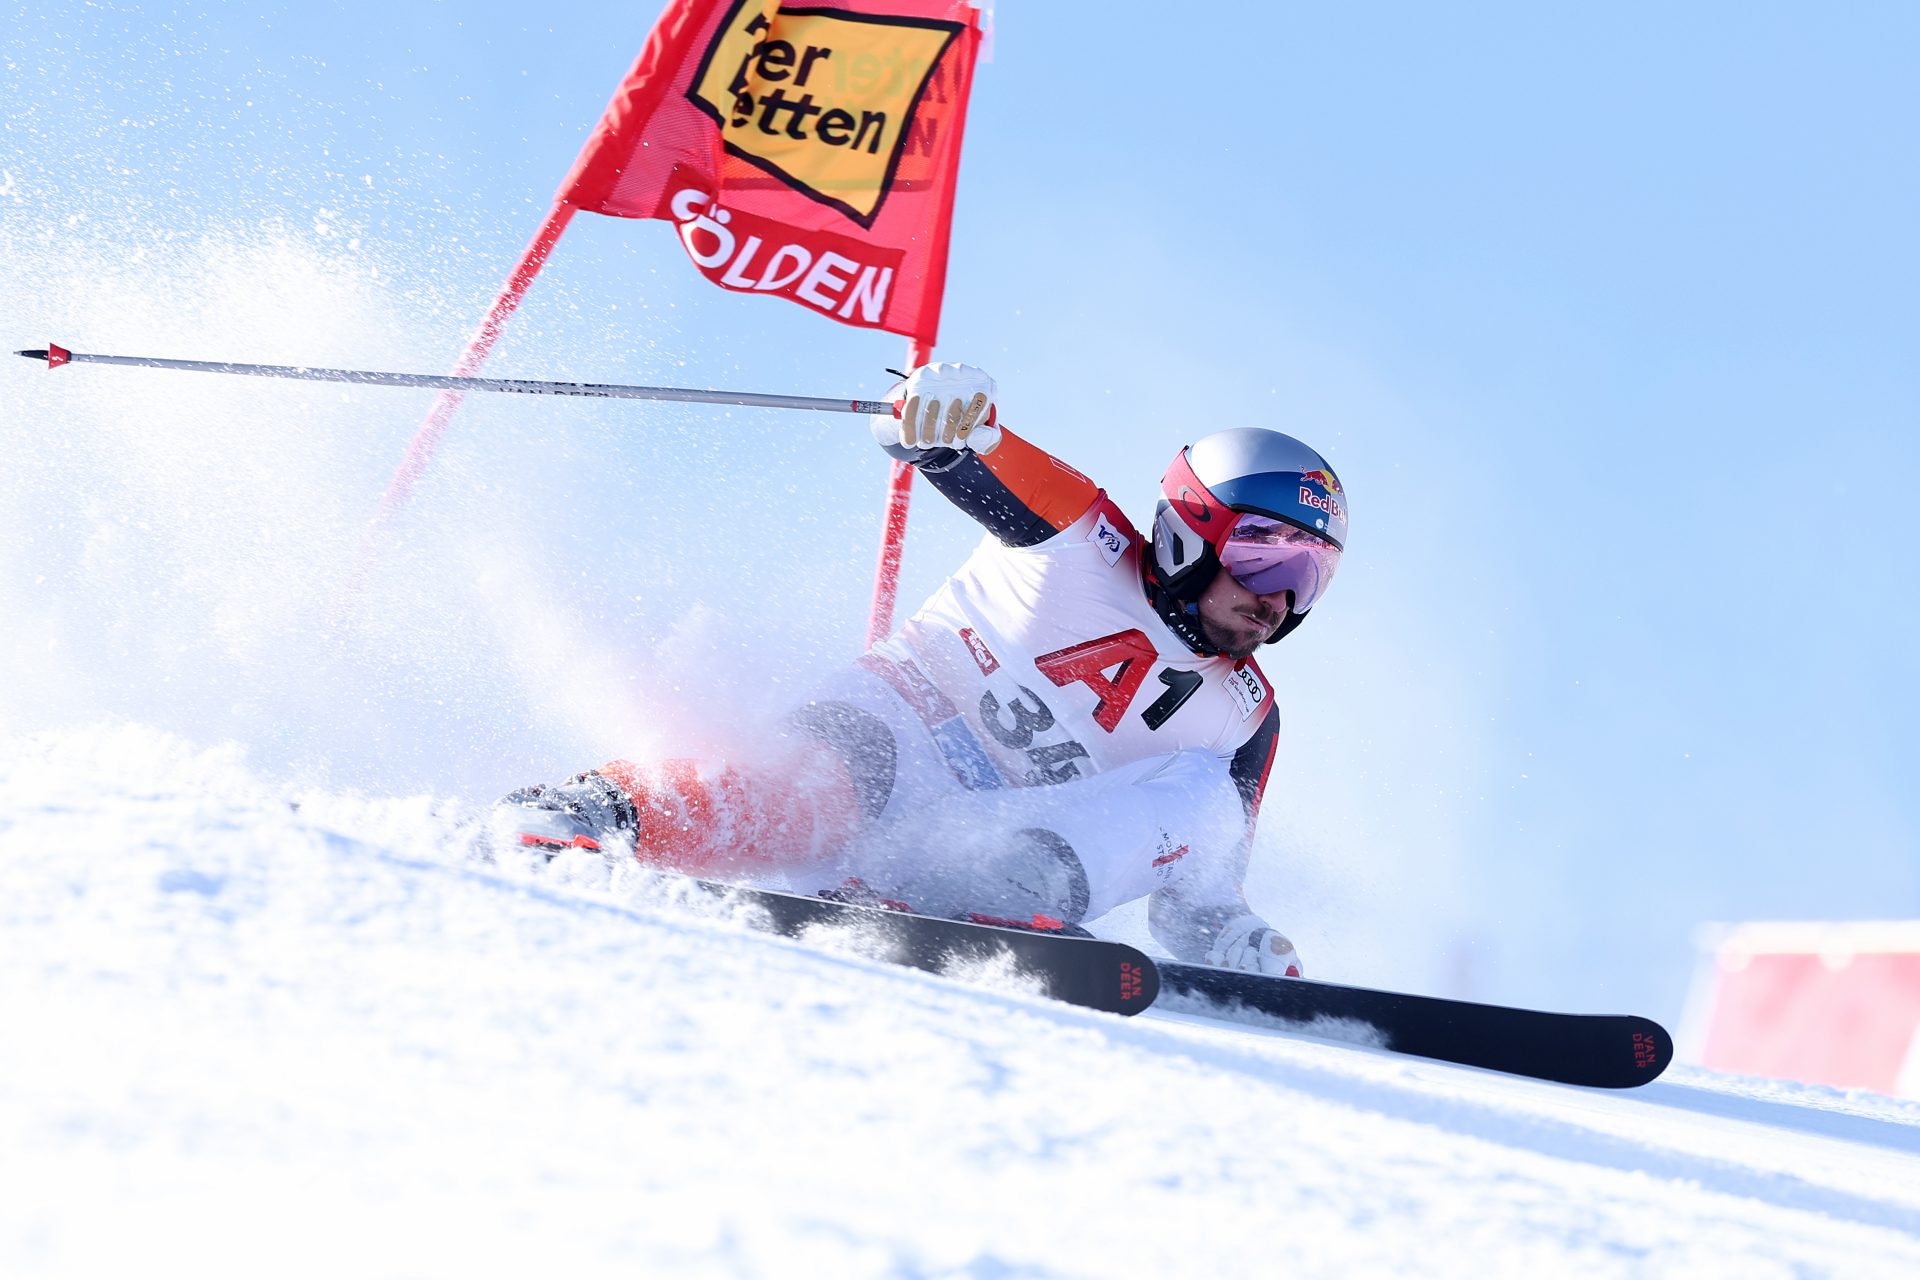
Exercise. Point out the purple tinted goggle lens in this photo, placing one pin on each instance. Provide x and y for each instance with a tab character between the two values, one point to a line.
1266	555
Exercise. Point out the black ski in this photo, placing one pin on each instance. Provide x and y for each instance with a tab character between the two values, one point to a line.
1092	972
1600	1050
1603	1051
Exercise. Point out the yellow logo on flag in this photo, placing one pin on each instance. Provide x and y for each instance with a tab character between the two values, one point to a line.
823	99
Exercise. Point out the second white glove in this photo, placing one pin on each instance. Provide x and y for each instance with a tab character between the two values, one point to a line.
943	406
1251	944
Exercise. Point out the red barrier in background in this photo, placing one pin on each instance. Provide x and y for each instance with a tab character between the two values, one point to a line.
1834	1004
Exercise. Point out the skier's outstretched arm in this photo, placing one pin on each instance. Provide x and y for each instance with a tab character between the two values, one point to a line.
1204	917
949	430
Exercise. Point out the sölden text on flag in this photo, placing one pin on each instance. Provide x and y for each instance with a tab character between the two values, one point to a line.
805	150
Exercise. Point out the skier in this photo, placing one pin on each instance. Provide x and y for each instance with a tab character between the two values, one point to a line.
1074	720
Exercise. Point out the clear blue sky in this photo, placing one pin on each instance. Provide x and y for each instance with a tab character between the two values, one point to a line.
1605	317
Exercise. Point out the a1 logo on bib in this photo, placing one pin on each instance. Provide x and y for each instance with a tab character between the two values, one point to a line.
1248	690
1112	543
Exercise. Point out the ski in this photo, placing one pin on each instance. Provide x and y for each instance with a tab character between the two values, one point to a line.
1597	1050
1091	972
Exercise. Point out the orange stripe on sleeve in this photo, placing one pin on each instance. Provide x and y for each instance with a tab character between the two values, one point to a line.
1041	482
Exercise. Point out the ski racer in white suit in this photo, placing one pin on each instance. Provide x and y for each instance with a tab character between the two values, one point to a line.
1073	721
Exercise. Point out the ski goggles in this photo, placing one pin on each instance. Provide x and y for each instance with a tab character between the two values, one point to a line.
1265	555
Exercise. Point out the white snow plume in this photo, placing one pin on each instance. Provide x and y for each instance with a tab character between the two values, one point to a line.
996	971
866	940
989	969
176	540
180	549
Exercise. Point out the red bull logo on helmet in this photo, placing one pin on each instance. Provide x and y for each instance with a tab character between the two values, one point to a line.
1324	479
1328	499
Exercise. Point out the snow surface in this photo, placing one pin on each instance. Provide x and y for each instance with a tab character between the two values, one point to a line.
249	1033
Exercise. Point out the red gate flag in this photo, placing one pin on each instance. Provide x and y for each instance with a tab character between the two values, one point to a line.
805	150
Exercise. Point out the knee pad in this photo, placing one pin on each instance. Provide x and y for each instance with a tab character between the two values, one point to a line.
862	740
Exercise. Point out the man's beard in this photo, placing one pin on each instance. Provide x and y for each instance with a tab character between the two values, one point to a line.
1234	644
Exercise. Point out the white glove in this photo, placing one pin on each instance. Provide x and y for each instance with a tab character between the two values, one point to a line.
942	405
1251	944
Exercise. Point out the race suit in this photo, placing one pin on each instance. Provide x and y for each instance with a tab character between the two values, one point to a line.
1034	740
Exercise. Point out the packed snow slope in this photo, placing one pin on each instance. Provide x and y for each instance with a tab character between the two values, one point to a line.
250	1033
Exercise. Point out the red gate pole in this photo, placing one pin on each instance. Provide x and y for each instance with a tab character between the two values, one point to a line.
893	532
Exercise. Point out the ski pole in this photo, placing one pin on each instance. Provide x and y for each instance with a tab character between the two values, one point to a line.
55	356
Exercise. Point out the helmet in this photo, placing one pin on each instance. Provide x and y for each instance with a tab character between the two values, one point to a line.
1263	501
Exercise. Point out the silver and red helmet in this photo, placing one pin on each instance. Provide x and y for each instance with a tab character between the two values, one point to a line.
1257	503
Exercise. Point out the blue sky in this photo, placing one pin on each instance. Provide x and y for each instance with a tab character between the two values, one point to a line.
1605	318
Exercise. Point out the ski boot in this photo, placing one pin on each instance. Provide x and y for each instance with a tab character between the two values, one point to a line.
585	812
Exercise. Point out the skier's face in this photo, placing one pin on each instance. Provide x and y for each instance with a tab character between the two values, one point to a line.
1235	620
